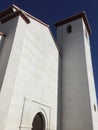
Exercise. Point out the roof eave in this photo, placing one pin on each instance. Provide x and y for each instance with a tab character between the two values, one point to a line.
75	17
32	17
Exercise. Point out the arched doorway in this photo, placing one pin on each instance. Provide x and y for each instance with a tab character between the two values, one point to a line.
38	122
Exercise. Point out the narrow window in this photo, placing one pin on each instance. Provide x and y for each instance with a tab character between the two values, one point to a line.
69	29
94	107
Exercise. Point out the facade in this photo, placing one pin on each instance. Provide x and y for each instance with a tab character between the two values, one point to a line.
44	84
79	105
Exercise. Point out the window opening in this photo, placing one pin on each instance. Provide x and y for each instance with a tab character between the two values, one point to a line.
94	107
38	122
69	29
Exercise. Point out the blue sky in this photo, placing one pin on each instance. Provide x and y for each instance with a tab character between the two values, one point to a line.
50	11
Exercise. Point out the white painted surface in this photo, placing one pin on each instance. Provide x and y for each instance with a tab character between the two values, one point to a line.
91	83
7	76
29	77
32	72
78	95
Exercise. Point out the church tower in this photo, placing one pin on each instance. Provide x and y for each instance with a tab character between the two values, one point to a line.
28	72
78	105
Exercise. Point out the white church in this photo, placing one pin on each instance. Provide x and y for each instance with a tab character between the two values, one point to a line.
45	85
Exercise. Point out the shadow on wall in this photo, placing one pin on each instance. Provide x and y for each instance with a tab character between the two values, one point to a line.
59	118
2	68
1	43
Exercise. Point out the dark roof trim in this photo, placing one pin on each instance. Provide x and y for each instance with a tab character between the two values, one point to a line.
6	12
2	34
14	11
9	14
32	17
75	17
9	17
26	19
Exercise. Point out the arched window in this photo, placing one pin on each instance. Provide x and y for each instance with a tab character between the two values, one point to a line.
38	122
69	29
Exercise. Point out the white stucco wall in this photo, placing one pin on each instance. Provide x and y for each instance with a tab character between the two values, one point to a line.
91	83
7	77
76	92
35	64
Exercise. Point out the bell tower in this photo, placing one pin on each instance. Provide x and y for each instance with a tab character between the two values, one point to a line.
78	105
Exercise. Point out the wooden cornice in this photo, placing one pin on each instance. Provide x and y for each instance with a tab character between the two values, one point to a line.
73	18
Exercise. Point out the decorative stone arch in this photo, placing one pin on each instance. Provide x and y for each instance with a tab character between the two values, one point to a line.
30	109
40	120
